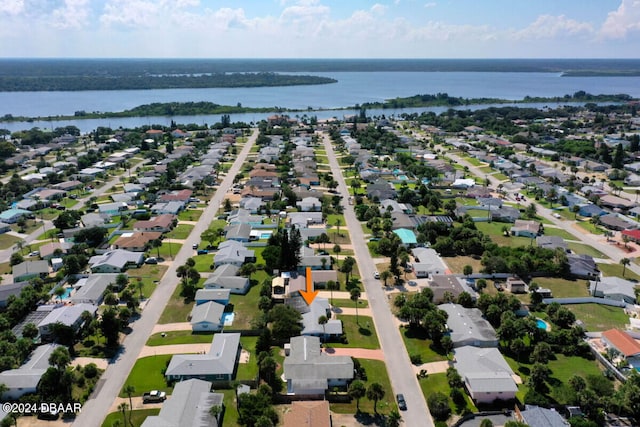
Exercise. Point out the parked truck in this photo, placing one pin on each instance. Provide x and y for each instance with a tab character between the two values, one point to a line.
154	396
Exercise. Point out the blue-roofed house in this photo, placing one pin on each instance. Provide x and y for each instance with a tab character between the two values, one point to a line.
11	216
591	210
407	237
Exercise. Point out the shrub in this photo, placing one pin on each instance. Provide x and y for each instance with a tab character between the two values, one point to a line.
416	359
91	370
439	406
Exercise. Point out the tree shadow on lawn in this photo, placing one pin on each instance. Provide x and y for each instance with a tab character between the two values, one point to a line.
368	419
364	331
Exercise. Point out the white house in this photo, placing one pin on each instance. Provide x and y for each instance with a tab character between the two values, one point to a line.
486	374
207	317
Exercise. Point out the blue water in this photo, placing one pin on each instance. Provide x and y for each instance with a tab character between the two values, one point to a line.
265	235
227	318
541	324
352	88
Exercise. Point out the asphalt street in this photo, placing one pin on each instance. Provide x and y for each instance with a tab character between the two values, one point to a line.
112	381
401	373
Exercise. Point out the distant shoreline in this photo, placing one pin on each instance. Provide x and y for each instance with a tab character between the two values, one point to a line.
169	109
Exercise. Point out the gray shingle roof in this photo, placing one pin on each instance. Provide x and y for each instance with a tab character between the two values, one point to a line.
307	363
484	370
220	360
467	325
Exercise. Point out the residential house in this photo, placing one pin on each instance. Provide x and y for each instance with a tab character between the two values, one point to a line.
407	237
182	196
310	204
112	209
221	296
551	242
615	202
525	228
26	378
68	315
486	374
310	372
309	414
12	216
251	204
115	261
623	344
591	210
304	219
4	227
10	289
614	222
582	266
381	190
467	326
90	290
615	288
238	232
207	317
308	258
505	214
161	223
93	219
169	208
243	216
189	406
390	205
632	235
138	241
310	325
225	277
444	286
28	270
232	252
515	285
218	364
535	416
427	262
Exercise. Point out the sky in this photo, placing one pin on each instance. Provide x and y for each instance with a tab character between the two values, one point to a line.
320	28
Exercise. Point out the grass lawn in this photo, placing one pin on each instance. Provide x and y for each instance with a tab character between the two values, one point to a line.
181	232
583	249
590	227
168	250
203	263
456	264
616	270
150	274
176	310
562	368
7	241
137	417
485	169
552	231
362	335
245	307
416	342
473	161
598	317
434	383
248	371
347	303
5	268
230	417
179	337
376	373
563	288
500	176
512	241
147	375
190	215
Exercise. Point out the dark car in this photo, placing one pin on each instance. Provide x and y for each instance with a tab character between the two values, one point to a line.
202	251
402	404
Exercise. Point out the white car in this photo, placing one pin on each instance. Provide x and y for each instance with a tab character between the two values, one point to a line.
376	275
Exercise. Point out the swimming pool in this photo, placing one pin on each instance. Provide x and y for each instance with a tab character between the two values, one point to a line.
541	324
227	318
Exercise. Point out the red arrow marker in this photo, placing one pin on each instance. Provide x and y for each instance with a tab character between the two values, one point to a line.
309	295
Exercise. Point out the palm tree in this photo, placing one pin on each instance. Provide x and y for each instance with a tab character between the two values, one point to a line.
322	320
355	296
129	390
386	275
59	292
20	246
331	285
357	391
123	408
375	392
624	262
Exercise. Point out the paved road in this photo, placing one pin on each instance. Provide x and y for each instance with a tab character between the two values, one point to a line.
97	408
596	241
399	367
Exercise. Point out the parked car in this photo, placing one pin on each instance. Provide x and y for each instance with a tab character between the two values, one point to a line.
202	251
402	404
151	260
195	246
154	396
412	283
34	253
376	275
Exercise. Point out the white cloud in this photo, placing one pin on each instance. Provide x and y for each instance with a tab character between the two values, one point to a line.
621	21
129	13
548	26
379	9
430	5
12	7
74	14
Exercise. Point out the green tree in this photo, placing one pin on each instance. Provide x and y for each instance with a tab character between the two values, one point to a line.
375	392
129	390
286	322
486	423
386	275
624	262
354	295
332	286
357	391
467	270
439	406
60	358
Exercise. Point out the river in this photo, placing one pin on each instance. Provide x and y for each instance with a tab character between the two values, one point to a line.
352	88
